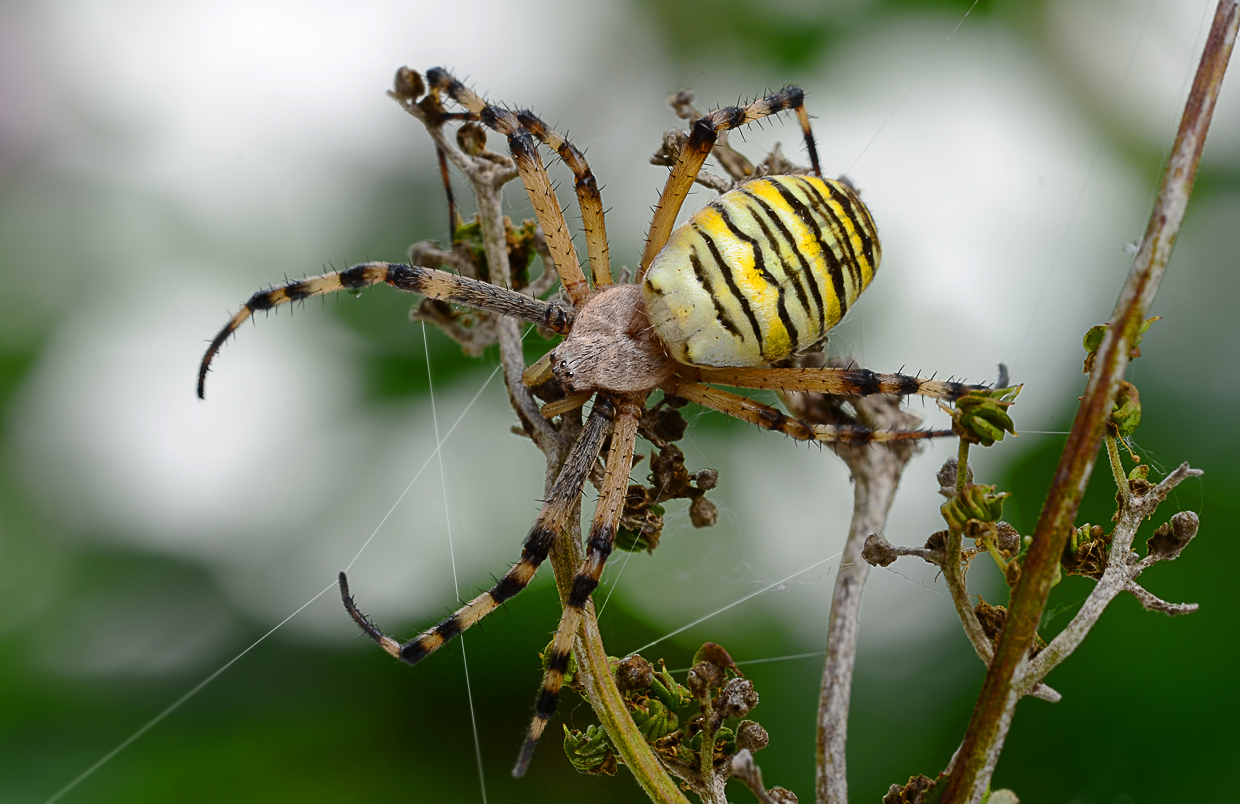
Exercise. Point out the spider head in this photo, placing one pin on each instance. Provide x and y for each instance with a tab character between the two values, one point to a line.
566	367
611	347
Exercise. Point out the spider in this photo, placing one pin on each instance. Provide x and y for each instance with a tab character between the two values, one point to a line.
757	275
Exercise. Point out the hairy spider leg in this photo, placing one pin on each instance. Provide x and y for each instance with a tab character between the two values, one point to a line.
702	136
453	223
588	197
770	418
839	381
429	282
533	177
551	521
598	548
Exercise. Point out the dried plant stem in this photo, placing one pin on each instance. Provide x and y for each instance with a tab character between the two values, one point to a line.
600	683
876	474
1122	569
954	578
749	774
988	726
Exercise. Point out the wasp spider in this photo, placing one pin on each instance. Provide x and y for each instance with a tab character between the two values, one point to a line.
760	273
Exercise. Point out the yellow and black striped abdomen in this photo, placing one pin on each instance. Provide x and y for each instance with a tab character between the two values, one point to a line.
762	272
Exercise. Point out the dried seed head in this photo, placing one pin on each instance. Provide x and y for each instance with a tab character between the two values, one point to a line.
663	424
706	479
751	736
913	792
1007	538
717	655
736	699
878	552
634	673
702	513
408	85
991	619
472	138
703	678
1173	536
947	477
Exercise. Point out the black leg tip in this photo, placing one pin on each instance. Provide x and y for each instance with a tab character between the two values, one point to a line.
523	761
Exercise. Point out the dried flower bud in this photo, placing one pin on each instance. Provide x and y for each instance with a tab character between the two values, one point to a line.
1173	536
991	618
408	85
947	477
736	699
706	479
717	655
634	673
751	736
673	144
937	541
1007	538
703	513
878	552
914	792
472	138
703	678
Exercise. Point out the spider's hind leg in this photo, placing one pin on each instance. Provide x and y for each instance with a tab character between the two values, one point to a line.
770	418
598	548
552	520
852	381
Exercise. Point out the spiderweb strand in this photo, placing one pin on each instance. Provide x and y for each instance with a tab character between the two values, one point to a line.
198	688
150	724
1080	194
916	83
749	596
456	586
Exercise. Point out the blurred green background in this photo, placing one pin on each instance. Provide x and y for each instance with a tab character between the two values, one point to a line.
160	162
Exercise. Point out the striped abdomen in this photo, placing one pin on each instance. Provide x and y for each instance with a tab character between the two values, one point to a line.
762	272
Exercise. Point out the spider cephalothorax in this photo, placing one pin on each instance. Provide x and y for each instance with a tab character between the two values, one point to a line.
760	273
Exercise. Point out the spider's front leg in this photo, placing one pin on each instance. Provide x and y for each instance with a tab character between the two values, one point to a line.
533	176
552	520
429	282
598	548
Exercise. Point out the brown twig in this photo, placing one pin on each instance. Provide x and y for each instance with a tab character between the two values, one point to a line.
992	715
